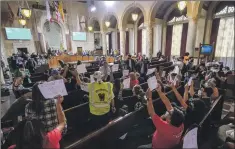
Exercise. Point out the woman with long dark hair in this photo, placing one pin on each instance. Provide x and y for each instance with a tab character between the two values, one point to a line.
42	109
31	133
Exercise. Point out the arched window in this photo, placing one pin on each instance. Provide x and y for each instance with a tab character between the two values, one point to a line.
53	35
225	39
177	23
228	10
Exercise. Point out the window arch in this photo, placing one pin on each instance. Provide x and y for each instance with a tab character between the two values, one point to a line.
224	51
53	35
227	11
180	19
178	27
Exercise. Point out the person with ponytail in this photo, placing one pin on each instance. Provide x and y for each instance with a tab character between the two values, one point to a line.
31	133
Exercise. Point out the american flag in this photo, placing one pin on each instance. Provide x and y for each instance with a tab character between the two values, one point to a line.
56	5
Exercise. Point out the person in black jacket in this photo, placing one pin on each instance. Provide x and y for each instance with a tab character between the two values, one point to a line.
130	63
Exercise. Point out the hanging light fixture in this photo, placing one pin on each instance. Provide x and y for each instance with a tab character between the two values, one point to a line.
22	21
90	28
181	5
134	16
26	12
107	23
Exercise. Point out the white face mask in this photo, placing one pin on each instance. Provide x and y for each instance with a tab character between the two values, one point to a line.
199	93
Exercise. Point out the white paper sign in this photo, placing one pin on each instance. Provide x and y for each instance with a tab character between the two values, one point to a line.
81	68
84	87
150	71
190	139
163	73
190	81
126	83
92	78
115	67
125	73
53	88
176	70
152	83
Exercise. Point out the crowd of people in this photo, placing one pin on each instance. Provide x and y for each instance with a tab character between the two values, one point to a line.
45	121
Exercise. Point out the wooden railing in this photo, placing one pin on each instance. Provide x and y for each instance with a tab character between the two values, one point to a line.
53	61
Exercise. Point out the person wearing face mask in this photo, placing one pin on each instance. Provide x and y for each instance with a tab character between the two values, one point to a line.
195	108
22	71
101	99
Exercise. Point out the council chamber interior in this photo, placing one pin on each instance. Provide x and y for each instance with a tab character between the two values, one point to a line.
117	74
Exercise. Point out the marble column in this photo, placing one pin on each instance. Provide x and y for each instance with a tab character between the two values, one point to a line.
164	28
149	40
191	37
104	43
122	42
208	31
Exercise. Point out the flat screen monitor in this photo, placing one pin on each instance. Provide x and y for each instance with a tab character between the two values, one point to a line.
80	36
206	49
18	33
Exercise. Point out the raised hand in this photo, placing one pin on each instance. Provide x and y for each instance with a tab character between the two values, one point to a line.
60	99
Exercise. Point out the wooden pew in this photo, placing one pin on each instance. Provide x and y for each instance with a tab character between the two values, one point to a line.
104	137
166	64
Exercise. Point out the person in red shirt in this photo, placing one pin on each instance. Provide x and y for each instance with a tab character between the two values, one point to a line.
169	127
31	133
133	80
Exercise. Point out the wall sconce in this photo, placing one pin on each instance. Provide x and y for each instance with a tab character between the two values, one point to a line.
22	22
26	12
107	23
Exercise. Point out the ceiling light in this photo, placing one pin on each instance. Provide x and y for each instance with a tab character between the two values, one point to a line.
90	28
134	16
181	5
109	3
22	22
107	23
93	8
26	12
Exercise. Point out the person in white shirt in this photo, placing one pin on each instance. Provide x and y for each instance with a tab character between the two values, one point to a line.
106	71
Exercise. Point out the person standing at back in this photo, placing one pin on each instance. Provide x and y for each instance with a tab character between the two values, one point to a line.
130	63
101	99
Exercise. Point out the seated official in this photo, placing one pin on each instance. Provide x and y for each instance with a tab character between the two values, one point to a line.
169	127
32	134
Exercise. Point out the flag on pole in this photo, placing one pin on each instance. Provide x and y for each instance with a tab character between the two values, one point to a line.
48	11
55	3
61	10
